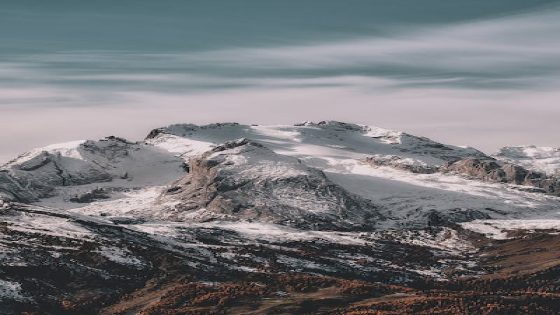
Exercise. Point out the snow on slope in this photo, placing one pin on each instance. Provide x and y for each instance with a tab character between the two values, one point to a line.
135	174
500	229
58	174
408	199
243	180
66	149
311	140
542	159
339	149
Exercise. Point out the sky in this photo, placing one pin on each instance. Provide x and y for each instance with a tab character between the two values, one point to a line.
483	73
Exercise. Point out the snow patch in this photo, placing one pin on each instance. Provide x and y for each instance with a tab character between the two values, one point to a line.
66	149
498	229
120	256
46	225
10	290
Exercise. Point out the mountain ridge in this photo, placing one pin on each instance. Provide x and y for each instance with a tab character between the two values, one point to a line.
341	211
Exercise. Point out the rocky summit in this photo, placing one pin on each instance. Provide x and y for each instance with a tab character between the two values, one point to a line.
314	218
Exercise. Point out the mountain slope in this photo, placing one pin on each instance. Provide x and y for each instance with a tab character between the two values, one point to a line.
243	180
329	216
340	150
69	170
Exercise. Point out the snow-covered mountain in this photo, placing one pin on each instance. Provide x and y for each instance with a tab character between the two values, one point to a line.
193	209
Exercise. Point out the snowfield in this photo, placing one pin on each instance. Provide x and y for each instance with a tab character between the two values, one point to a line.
135	175
339	150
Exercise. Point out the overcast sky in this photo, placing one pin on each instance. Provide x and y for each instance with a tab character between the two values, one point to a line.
484	73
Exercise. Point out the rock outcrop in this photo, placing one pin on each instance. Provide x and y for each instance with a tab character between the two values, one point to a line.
492	170
243	180
406	164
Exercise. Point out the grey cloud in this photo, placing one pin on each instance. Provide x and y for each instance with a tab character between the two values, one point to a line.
505	53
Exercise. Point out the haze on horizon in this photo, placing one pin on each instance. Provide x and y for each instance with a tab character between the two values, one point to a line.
483	73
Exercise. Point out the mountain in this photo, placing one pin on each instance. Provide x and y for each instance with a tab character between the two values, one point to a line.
324	217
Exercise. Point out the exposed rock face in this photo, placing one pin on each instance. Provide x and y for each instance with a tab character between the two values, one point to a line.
10	189
453	216
90	196
335	125
186	129
427	147
487	170
242	180
402	164
492	170
40	175
550	185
